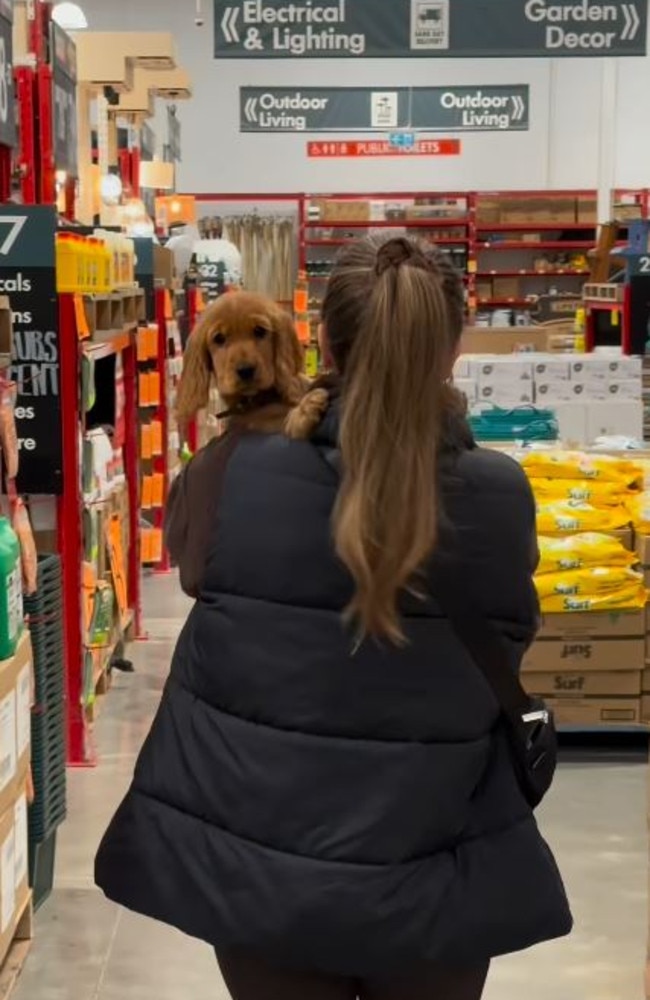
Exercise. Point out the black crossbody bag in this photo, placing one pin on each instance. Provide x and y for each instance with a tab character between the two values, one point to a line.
529	722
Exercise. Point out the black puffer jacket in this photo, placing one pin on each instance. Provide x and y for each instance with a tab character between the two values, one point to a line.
345	811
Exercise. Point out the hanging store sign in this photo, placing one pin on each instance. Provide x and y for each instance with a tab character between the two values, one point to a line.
358	109
8	133
358	29
358	148
174	149
28	277
64	74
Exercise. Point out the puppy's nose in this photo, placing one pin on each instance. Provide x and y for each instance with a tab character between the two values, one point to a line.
246	372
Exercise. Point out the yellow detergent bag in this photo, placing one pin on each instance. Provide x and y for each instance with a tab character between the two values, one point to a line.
639	510
577	465
570	518
577	551
630	598
590	582
597	492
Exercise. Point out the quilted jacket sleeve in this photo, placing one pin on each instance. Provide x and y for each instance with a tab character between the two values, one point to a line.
190	509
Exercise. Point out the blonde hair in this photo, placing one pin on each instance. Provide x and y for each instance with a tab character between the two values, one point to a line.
393	313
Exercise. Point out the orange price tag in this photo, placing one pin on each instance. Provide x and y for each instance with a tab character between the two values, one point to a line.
83	330
156	545
143	343
169	308
154	389
147	492
303	330
156	437
143	389
157	489
146	437
116	558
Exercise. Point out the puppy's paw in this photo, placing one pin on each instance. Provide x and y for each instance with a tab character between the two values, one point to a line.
305	417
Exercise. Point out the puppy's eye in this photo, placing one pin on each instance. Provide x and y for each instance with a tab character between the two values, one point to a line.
219	339
260	333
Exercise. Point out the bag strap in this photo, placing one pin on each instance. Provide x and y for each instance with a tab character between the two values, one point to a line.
480	638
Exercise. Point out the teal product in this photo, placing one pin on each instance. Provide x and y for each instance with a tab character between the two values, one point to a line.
523	424
11	588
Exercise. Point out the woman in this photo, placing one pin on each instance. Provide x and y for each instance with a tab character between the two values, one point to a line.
326	795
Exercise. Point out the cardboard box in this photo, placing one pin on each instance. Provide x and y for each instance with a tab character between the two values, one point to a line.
506	394
604	367
572	421
596	711
502	370
488	210
346	210
645	681
163	266
16	696
587	211
617	418
468	388
505	288
503	340
585	654
14	887
483	290
595	625
551	368
560	684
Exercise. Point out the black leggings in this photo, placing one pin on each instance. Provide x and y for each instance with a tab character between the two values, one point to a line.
249	978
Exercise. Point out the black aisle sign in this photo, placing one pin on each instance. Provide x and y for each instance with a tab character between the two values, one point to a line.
7	106
28	278
358	29
363	109
64	72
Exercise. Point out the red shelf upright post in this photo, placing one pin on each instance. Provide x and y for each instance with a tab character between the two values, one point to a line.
192	316
24	78
131	468
70	542
161	464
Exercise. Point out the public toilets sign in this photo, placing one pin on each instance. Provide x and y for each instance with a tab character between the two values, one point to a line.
365	109
358	29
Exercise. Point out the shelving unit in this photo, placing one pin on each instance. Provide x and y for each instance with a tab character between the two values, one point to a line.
444	218
87	663
494	238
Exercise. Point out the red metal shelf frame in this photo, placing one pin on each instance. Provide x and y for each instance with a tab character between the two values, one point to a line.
70	511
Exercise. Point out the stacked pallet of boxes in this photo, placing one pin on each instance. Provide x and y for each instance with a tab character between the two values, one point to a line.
589	395
15	790
589	656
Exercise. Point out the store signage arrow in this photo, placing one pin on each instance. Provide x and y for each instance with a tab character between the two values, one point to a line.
368	109
364	29
229	24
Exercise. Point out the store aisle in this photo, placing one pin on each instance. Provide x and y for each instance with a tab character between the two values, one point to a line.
87	949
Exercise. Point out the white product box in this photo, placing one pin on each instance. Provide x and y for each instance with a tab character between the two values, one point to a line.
572	421
506	394
468	388
619	419
551	368
547	393
461	367
630	389
602	366
501	368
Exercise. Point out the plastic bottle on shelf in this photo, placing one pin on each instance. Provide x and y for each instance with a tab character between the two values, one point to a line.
67	263
11	587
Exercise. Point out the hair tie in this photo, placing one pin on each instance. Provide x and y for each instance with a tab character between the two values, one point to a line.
394	253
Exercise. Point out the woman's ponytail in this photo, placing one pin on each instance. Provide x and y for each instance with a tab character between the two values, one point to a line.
386	515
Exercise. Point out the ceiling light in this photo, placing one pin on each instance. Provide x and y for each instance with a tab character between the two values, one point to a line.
70	17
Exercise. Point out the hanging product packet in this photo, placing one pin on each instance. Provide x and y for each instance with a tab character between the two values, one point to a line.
29	560
577	465
557	554
570	518
590	582
630	598
598	493
8	434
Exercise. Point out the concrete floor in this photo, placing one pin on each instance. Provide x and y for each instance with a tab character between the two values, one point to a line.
87	949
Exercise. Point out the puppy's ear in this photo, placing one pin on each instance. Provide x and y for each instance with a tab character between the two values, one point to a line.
288	359
194	387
